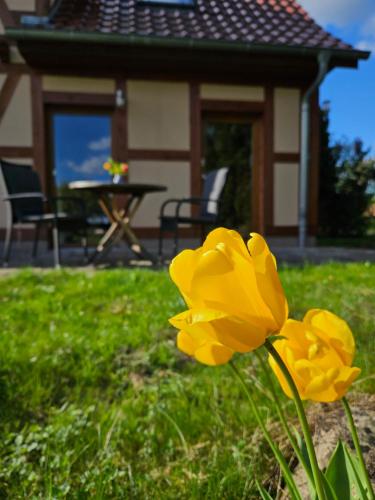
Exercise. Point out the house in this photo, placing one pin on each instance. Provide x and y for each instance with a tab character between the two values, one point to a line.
172	87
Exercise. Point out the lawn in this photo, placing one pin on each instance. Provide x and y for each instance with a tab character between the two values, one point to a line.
96	401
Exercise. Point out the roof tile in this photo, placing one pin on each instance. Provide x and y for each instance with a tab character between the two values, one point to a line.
262	22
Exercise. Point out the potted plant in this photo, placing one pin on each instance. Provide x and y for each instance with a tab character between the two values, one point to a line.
118	170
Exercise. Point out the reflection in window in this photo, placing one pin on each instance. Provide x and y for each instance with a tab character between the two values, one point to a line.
82	143
228	143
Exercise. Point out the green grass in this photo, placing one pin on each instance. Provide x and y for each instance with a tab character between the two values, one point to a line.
96	401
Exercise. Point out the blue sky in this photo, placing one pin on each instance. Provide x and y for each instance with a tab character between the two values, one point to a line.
82	145
351	92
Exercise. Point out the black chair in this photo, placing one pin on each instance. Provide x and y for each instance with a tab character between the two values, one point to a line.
213	185
27	204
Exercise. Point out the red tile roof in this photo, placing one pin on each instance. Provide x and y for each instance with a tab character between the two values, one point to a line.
256	22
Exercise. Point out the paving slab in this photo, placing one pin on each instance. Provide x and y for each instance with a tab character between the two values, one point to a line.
121	256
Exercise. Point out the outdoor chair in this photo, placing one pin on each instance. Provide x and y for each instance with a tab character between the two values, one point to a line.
27	206
213	185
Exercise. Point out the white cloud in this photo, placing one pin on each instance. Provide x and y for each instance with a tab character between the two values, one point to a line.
339	12
100	145
369	27
90	166
367	45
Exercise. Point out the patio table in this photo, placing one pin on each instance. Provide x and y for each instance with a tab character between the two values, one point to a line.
120	217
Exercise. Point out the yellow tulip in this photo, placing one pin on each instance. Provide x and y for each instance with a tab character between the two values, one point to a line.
233	293
318	353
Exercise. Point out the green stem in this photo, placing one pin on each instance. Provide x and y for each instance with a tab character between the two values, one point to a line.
276	451
303	420
357	446
283	419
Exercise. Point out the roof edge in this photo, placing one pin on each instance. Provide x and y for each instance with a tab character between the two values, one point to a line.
22	34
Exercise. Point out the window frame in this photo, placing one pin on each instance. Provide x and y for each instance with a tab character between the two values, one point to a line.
72	109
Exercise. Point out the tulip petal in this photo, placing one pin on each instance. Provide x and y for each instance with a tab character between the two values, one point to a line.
217	326
232	288
186	343
280	377
213	354
336	330
345	379
318	384
327	395
208	353
181	271
295	331
267	278
230	238
214	262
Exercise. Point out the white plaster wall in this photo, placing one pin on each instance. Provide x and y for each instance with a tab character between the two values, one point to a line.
174	175
16	124
22	5
15	56
158	115
287	120
285	205
232	92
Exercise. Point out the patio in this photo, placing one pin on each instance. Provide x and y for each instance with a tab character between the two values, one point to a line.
121	255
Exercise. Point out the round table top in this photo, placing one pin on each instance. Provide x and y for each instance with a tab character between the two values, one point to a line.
109	187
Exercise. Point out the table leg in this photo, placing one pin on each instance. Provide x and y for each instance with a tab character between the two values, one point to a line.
124	218
107	239
121	228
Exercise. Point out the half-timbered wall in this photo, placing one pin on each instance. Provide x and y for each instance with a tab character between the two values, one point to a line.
286	149
159	131
159	142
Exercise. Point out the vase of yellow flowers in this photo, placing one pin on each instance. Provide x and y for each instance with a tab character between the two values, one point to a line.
118	170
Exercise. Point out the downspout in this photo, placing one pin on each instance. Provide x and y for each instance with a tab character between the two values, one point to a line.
323	58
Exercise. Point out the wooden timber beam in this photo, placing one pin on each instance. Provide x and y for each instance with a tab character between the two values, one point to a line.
42	7
39	124
7	91
16	152
5	15
4	50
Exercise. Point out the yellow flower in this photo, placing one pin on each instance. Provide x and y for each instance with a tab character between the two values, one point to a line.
318	353
233	293
107	166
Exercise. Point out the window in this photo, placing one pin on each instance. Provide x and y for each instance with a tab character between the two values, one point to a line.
81	144
227	142
174	3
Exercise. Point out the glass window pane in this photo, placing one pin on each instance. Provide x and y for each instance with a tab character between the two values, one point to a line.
227	143
82	143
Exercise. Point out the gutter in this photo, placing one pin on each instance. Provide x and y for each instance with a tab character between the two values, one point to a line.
324	60
69	36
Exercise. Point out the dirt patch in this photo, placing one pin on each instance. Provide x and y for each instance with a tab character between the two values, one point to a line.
328	423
